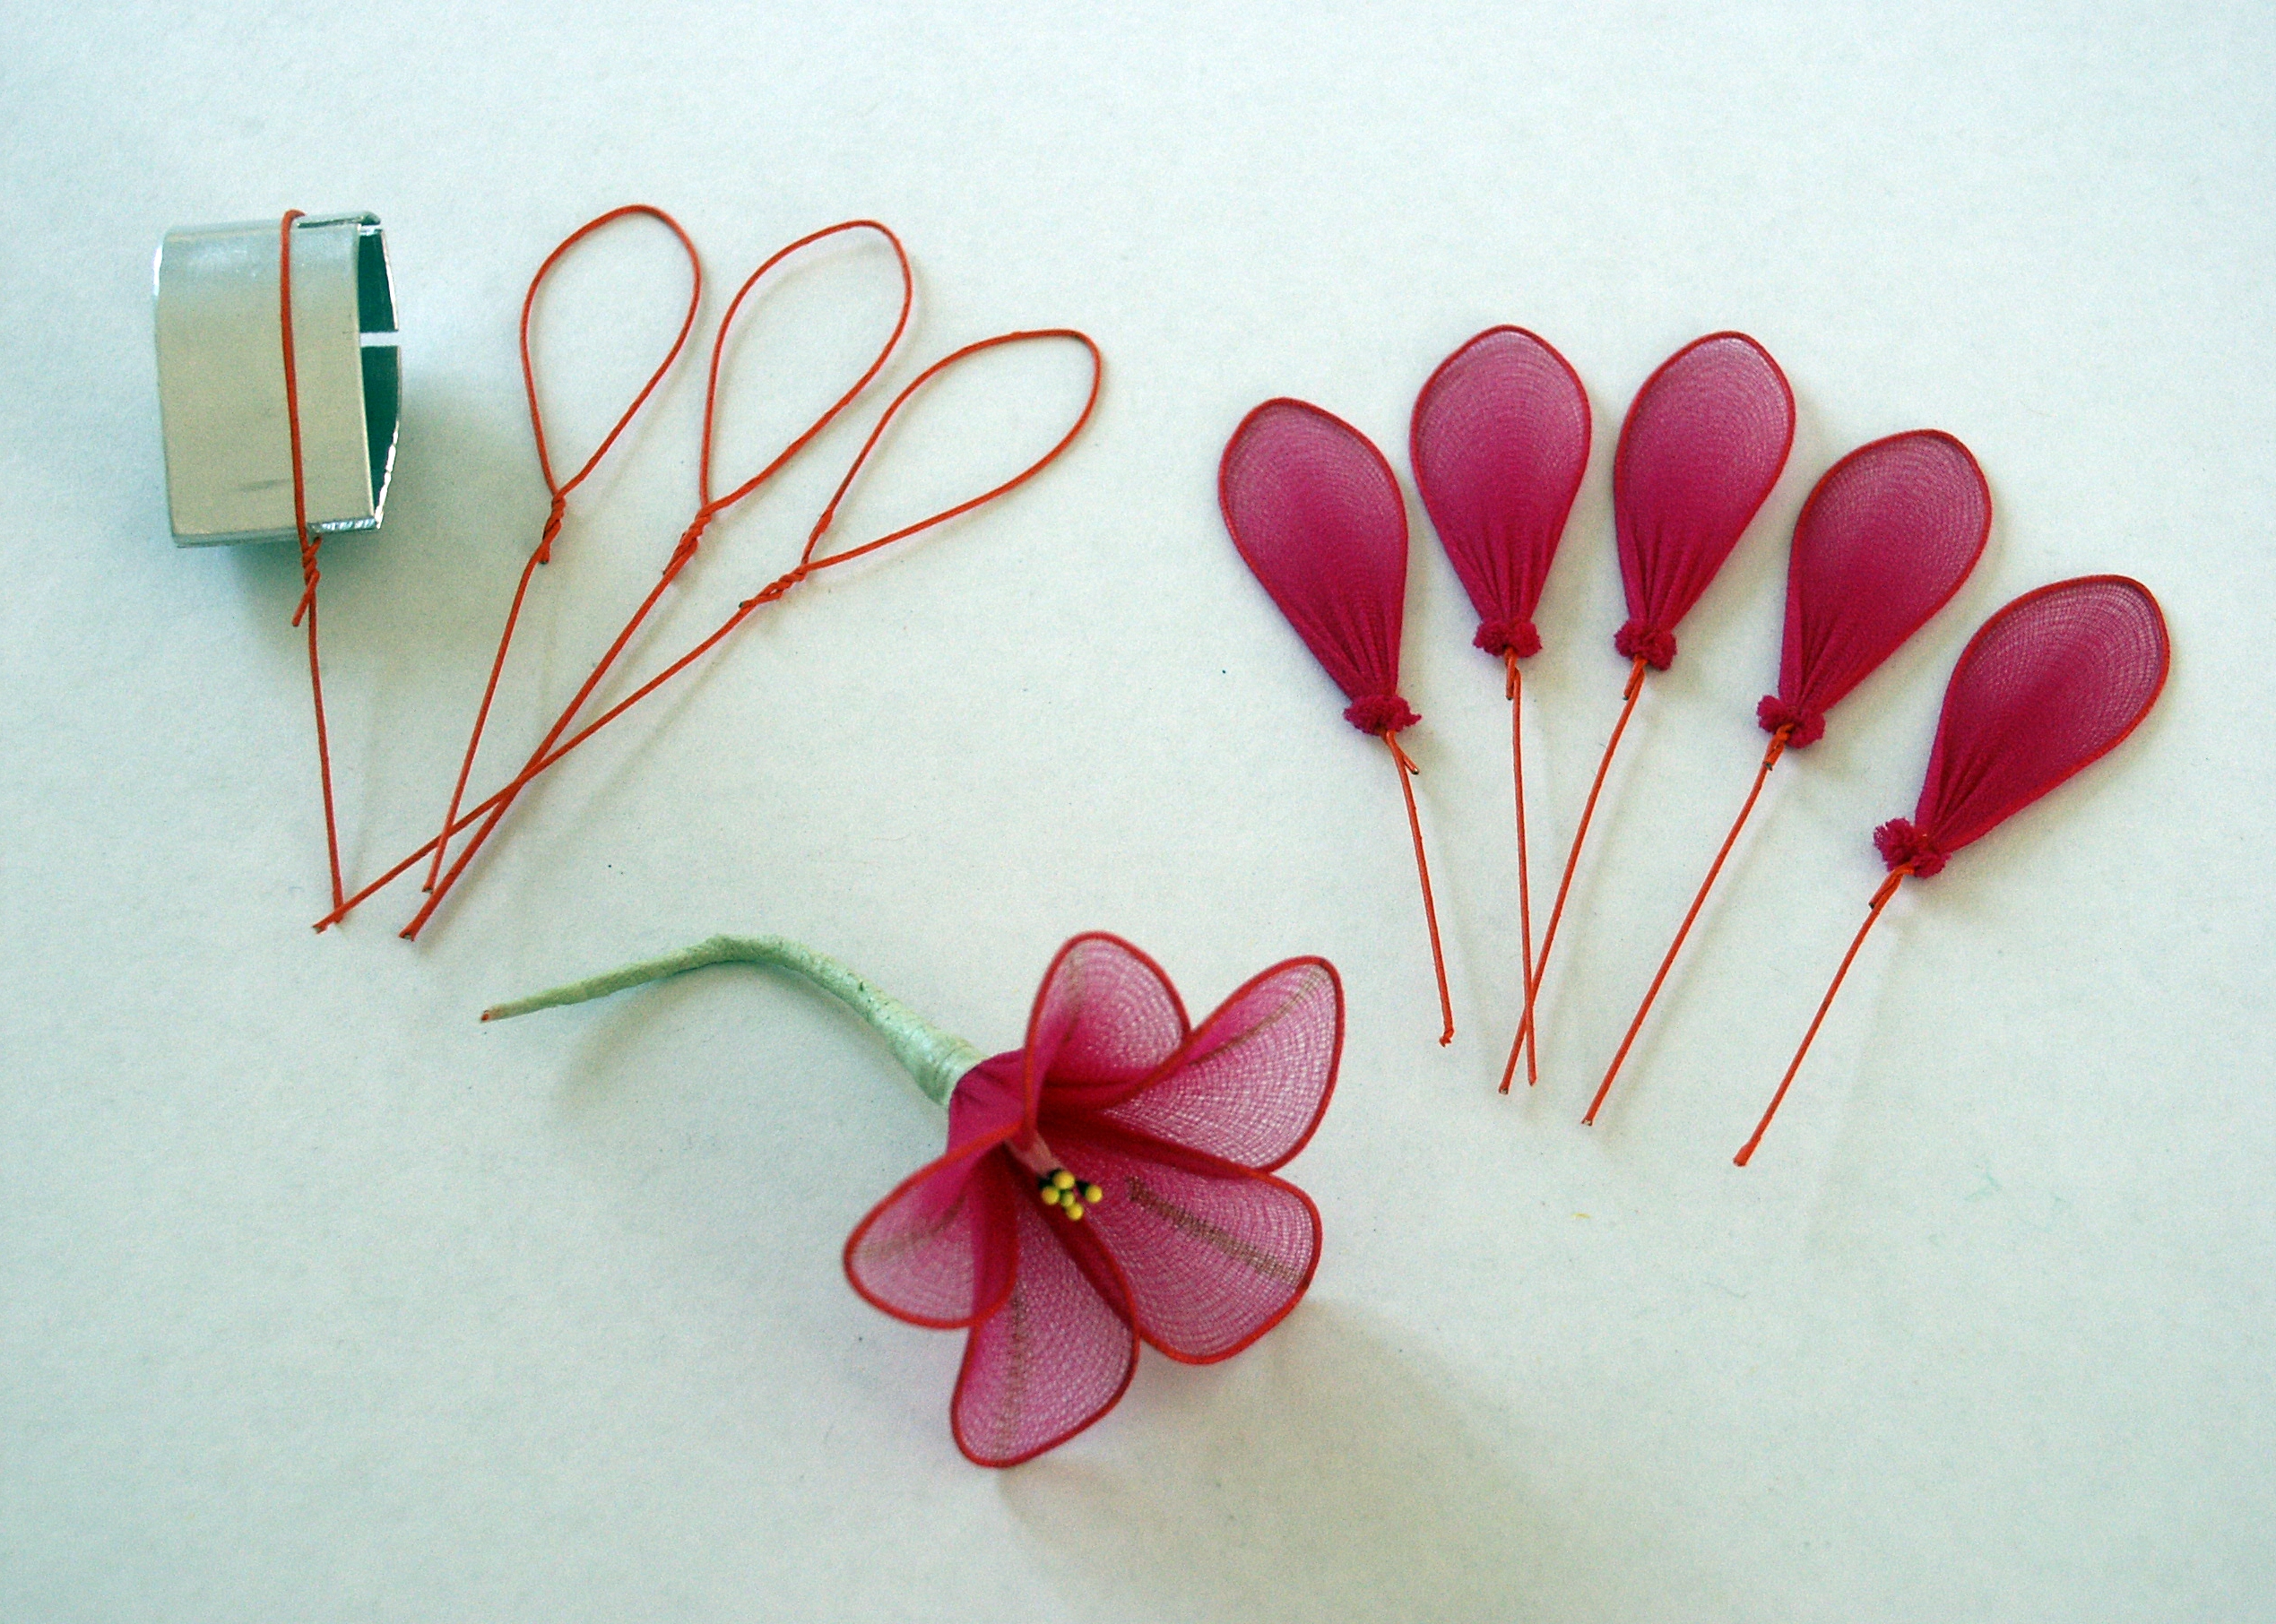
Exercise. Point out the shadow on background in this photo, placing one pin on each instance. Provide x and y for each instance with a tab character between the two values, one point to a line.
1327	1473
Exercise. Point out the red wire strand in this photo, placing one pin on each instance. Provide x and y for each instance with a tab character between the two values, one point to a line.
559	489
1526	1040
309	542
1880	901
1407	771
1515	689
808	564
1762	774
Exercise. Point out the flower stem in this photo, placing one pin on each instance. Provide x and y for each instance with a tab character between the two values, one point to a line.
936	1059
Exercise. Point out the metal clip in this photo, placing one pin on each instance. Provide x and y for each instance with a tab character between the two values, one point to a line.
221	378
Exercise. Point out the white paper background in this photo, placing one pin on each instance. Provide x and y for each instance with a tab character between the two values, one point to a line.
319	1300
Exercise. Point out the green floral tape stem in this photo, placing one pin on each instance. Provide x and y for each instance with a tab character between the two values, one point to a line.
934	1058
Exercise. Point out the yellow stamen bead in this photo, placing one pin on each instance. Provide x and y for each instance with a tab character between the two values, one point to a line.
1073	1209
1051	1193
1063	1178
1092	1194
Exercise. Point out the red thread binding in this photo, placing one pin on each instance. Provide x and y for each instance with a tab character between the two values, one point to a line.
309	543
560	489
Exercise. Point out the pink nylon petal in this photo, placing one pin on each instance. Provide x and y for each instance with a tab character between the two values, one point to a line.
1316	511
1056	1356
1883	543
1254	1079
1499	441
1106	1016
2049	684
1213	1254
937	1251
1702	445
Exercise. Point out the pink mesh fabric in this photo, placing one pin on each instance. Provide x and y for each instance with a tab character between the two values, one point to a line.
1701	446
1056	1356
1106	1016
1253	1082
1316	511
1214	1256
1499	442
1884	543
937	1251
2049	684
1211	1251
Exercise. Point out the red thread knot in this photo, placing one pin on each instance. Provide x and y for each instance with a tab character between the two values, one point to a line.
1900	845
1656	646
1804	725
552	526
1499	637
1380	714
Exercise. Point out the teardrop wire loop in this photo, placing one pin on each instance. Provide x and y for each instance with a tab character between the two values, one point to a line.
1315	512
309	543
708	508
1524	1042
559	489
809	565
1499	440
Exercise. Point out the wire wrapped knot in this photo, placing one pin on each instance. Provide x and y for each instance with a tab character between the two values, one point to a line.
1500	637
1804	725
553	518
1902	845
1380	714
689	540
775	588
309	573
1654	644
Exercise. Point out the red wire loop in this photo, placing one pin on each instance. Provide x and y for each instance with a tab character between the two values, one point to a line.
560	489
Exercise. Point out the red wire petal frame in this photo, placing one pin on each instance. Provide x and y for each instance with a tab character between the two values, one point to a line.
1315	512
1703	446
559	489
1885	539
2050	685
1499	441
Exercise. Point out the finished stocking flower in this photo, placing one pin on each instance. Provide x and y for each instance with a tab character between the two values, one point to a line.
1109	1182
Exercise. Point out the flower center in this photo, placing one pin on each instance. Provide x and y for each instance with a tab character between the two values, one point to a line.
1055	1187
